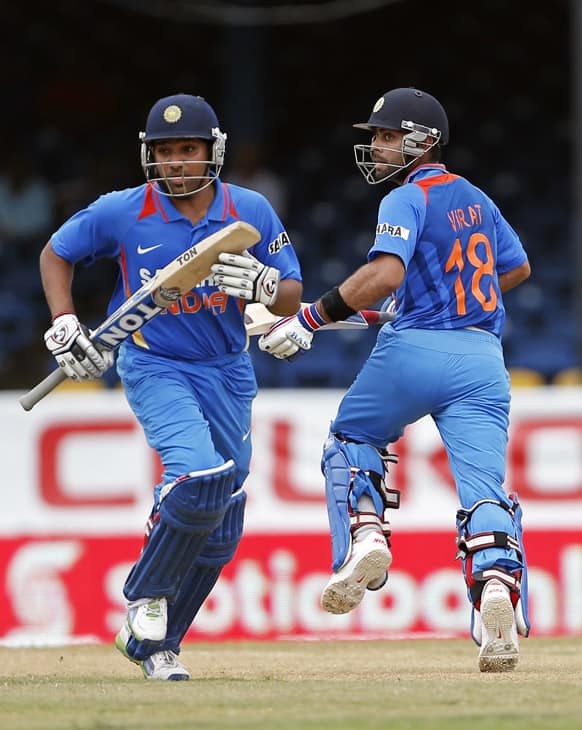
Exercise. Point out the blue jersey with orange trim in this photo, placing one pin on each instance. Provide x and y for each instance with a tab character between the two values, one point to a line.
144	231
454	243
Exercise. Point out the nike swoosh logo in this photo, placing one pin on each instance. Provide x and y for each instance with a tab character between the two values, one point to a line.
141	249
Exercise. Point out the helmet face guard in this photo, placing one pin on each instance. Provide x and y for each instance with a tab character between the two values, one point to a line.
419	114
182	116
413	145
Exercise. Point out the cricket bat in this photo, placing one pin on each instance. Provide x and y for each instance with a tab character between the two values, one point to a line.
177	278
258	319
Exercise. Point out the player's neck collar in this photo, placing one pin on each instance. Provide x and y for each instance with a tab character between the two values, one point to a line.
221	202
431	168
170	205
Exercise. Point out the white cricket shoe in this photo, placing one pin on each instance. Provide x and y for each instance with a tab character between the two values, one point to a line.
161	665
499	643
164	665
123	636
147	619
366	566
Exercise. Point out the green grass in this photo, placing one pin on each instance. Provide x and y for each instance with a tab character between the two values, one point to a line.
342	685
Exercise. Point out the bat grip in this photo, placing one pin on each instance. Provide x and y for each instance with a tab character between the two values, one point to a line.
30	399
373	316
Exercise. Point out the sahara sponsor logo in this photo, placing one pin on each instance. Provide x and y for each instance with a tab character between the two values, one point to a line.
281	241
394	231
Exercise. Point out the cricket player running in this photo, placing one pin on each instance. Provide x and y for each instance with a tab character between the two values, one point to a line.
445	253
187	375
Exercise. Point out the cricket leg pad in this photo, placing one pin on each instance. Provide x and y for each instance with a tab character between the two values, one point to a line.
491	549
201	579
189	509
354	471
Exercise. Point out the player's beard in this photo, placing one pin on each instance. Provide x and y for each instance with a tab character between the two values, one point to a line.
382	169
184	186
387	171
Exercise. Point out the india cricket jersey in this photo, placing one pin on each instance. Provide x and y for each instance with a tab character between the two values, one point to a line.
454	243
144	231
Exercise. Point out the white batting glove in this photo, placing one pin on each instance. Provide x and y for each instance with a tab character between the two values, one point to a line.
291	334
68	340
247	278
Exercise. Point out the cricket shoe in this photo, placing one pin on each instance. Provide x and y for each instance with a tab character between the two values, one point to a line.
499	643
366	567
163	665
147	619
121	641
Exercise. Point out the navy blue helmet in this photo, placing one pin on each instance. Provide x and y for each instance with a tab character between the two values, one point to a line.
419	115
400	106
182	116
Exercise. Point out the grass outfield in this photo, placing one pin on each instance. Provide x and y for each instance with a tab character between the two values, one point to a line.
341	685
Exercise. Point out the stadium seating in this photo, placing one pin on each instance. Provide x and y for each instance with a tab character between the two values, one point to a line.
525	378
331	212
570	376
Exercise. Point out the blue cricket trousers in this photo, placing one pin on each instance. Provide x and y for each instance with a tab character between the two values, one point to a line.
195	414
458	377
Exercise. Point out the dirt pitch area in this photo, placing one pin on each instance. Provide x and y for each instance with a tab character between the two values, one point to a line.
263	686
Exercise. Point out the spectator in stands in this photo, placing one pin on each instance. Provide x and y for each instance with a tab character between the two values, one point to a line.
26	201
250	171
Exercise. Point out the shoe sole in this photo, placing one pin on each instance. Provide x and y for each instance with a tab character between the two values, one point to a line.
171	678
341	596
498	654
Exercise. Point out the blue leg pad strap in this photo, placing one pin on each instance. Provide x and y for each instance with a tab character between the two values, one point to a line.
490	540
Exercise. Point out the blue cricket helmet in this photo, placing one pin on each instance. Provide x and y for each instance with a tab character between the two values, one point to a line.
181	116
424	122
400	106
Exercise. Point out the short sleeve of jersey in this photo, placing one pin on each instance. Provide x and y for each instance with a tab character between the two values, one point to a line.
400	218
90	233
510	252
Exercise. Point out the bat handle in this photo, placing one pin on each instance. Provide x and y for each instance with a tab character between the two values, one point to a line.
373	316
30	399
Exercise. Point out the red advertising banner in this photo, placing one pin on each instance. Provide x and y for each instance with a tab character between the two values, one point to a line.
77	488
62	588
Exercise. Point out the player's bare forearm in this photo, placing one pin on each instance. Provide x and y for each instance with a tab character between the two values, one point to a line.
374	281
57	276
513	278
288	298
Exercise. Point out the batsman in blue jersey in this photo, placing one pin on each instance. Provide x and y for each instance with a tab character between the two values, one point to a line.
187	375
445	254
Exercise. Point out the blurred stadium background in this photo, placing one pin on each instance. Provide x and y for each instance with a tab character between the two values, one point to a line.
287	81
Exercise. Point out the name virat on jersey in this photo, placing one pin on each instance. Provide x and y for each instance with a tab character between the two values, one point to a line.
468	217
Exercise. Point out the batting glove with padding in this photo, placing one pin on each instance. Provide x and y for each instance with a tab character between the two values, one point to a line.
246	277
68	341
291	334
